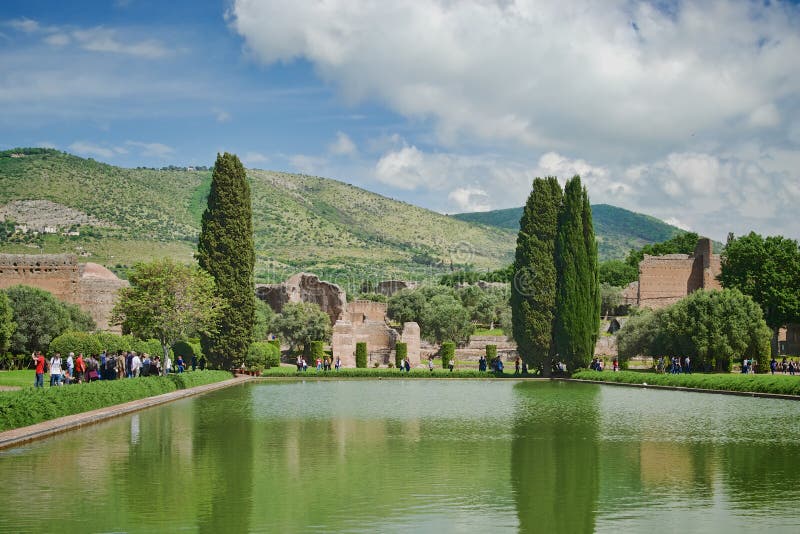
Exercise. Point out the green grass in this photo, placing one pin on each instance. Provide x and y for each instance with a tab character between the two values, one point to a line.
31	405
767	383
22	378
489	332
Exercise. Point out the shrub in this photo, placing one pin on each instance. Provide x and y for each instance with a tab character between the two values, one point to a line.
262	355
317	351
491	352
152	347
114	342
77	342
361	355
400	352
448	352
188	349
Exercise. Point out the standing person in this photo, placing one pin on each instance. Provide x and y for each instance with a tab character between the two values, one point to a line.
687	367
451	364
482	363
129	364
136	365
305	365
38	360
516	365
430	363
55	369
80	368
338	363
319	364
71	364
299	363
179	363
407	365
773	364
194	361
326	365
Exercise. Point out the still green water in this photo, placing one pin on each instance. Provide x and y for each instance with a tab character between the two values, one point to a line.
417	455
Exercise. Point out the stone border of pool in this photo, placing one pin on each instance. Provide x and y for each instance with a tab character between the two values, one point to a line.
693	390
18	436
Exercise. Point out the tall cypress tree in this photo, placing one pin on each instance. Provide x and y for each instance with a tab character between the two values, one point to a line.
226	251
533	291
577	304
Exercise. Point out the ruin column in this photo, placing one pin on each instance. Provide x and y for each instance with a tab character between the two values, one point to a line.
343	343
411	338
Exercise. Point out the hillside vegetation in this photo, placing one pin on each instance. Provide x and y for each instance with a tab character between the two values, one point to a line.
339	231
618	230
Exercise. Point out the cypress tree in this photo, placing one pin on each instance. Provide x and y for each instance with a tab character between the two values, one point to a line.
577	294
533	291
226	251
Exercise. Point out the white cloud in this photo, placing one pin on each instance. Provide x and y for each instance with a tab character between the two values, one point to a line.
86	148
307	164
101	39
222	116
565	75
469	199
152	150
254	158
58	39
24	24
678	223
343	145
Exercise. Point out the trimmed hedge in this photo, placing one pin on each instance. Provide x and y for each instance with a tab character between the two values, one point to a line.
262	355
187	349
491	352
780	384
317	352
34	405
448	352
400	352
77	342
361	355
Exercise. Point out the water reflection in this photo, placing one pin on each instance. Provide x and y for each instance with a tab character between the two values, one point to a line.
555	459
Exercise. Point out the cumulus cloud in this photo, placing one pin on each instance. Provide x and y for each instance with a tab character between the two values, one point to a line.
152	150
24	24
254	158
468	199
101	39
86	148
222	116
343	145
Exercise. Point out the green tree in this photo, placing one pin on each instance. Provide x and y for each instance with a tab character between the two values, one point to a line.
300	323
533	290
406	306
618	273
767	269
168	301
81	320
445	319
39	317
577	320
264	316
225	250
7	324
610	299
490	307
683	243
361	355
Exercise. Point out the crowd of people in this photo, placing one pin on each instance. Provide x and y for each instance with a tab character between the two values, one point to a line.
104	366
323	364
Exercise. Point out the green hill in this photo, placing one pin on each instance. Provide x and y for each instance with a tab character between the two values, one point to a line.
618	230
336	230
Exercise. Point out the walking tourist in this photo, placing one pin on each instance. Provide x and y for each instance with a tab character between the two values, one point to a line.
136	365
338	363
71	364
482	363
516	365
55	370
407	365
38	360
430	363
451	364
80	368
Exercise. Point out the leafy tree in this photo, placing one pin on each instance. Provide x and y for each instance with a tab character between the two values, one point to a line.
445	319
577	319
300	323
617	273
39	317
448	353
361	355
406	306
683	243
610	299
81	320
490	307
7	324
470	296
533	290
640	336
168	301
264	316
225	250
767	269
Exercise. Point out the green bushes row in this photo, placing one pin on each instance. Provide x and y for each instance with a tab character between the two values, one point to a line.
381	372
262	355
95	343
780	384
361	355
400	353
448	352
33	405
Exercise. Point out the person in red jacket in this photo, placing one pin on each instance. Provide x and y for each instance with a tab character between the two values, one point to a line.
80	368
38	360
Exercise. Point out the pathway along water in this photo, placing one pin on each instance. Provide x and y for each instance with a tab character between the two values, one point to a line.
401	455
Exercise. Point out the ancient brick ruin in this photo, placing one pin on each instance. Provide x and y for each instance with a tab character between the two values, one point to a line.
353	322
90	286
664	280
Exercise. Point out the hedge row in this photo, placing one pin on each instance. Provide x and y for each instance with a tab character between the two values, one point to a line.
780	384
381	372
33	405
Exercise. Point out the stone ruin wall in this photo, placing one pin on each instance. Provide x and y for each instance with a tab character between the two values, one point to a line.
360	311
305	287
90	286
663	280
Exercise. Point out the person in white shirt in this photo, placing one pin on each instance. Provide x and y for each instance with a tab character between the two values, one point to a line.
136	365
71	364
55	370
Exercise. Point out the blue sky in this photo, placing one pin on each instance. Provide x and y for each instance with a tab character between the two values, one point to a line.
688	111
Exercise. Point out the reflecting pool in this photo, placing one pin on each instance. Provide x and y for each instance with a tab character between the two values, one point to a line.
418	455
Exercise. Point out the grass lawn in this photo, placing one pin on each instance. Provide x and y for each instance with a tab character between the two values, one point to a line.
22	378
488	332
765	383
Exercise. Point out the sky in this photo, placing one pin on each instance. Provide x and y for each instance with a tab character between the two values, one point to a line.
687	111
